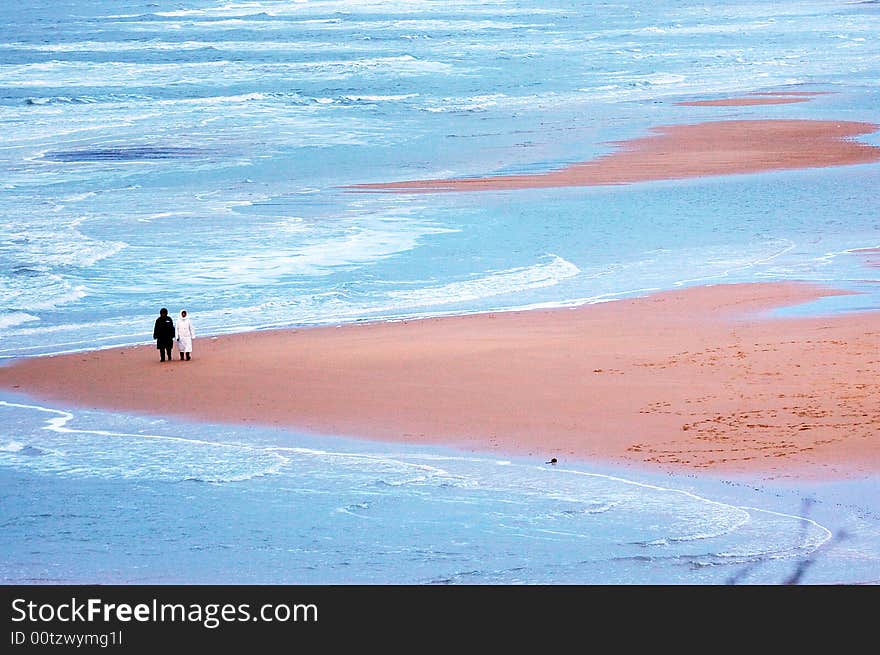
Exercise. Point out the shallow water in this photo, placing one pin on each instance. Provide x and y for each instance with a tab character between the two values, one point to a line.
101	497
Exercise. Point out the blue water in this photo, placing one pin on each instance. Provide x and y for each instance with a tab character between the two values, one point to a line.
194	155
112	498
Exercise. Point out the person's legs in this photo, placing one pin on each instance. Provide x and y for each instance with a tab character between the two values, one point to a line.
181	356
168	351
187	357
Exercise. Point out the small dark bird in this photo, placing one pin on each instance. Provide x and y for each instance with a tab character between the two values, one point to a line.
552	461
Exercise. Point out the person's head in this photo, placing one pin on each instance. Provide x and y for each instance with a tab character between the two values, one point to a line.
183	313
163	312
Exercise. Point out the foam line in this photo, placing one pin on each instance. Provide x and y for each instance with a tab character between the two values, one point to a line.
59	424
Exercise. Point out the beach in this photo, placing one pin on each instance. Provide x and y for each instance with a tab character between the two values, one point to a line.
694	379
691	379
483	293
728	147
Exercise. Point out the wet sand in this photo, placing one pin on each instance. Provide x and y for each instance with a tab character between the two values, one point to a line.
757	98
685	380
744	102
724	147
869	256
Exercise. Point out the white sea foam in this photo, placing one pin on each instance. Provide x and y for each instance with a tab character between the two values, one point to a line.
534	501
79	197
693	519
723	263
35	292
379	98
115	454
651	79
123	74
354	246
159	45
12	319
334	306
512	280
358	7
733	27
234	8
45	248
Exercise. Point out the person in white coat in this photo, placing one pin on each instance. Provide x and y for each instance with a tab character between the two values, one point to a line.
185	336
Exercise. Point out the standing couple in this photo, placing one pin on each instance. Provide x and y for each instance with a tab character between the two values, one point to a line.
164	333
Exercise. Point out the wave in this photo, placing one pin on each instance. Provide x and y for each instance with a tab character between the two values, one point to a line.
12	447
102	453
678	524
657	79
169	47
508	281
275	8
70	74
63	100
607	87
351	247
85	99
10	319
24	449
723	263
123	153
433	25
35	248
605	518
129	99
340	305
40	291
280	97
262	21
346	304
734	27
79	197
38	257
148	45
380	98
474	103
291	99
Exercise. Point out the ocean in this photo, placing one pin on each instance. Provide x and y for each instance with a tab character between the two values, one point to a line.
196	155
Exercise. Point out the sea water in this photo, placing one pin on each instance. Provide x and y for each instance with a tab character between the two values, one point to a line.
196	155
119	499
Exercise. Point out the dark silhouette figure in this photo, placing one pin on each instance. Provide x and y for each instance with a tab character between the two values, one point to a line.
163	333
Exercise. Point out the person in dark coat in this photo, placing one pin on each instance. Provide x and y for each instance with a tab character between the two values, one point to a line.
163	333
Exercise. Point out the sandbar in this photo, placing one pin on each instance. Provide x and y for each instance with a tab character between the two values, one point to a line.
744	102
725	147
756	98
695	379
869	256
